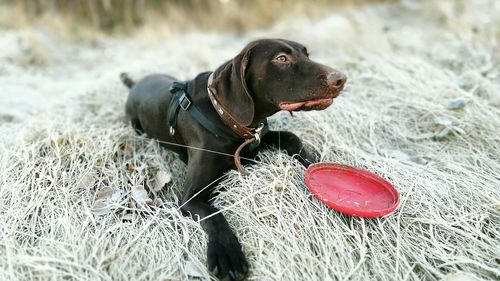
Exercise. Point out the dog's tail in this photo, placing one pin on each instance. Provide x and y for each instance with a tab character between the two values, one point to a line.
126	80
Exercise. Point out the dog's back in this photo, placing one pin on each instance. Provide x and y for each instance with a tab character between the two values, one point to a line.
147	101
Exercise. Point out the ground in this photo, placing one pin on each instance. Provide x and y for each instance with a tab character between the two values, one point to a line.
83	197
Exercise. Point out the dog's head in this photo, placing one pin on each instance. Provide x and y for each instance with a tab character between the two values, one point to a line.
274	74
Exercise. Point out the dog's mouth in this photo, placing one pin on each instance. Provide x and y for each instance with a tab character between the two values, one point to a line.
324	98
314	104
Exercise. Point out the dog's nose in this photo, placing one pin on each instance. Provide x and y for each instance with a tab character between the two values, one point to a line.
336	79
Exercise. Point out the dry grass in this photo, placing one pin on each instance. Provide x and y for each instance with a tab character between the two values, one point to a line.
84	17
403	70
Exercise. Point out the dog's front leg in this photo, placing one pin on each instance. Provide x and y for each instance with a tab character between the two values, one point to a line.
291	143
224	255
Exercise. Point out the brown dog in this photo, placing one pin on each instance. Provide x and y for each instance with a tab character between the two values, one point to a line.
220	111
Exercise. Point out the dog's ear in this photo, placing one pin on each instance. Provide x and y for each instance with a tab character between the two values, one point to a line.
230	85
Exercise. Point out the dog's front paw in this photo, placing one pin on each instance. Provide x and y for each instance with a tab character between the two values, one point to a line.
306	158
225	258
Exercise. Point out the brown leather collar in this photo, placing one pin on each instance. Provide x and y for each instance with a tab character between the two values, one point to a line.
251	135
242	131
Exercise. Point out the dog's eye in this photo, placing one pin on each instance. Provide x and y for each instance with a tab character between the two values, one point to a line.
281	58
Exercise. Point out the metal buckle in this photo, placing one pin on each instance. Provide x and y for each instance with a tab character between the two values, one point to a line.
258	130
184	102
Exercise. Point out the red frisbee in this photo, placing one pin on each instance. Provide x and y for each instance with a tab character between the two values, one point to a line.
351	191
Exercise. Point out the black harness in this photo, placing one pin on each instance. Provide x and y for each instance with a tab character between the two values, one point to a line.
181	100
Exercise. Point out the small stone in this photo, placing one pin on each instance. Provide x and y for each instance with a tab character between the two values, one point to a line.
396	154
442	121
439	135
458	130
457	103
419	160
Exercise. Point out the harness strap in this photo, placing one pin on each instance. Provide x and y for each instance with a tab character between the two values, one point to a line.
172	115
183	101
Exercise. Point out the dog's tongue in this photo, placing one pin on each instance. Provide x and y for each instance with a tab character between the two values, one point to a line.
290	106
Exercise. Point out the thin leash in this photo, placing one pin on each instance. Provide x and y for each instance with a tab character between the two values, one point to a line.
201	149
236	159
201	190
235	156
